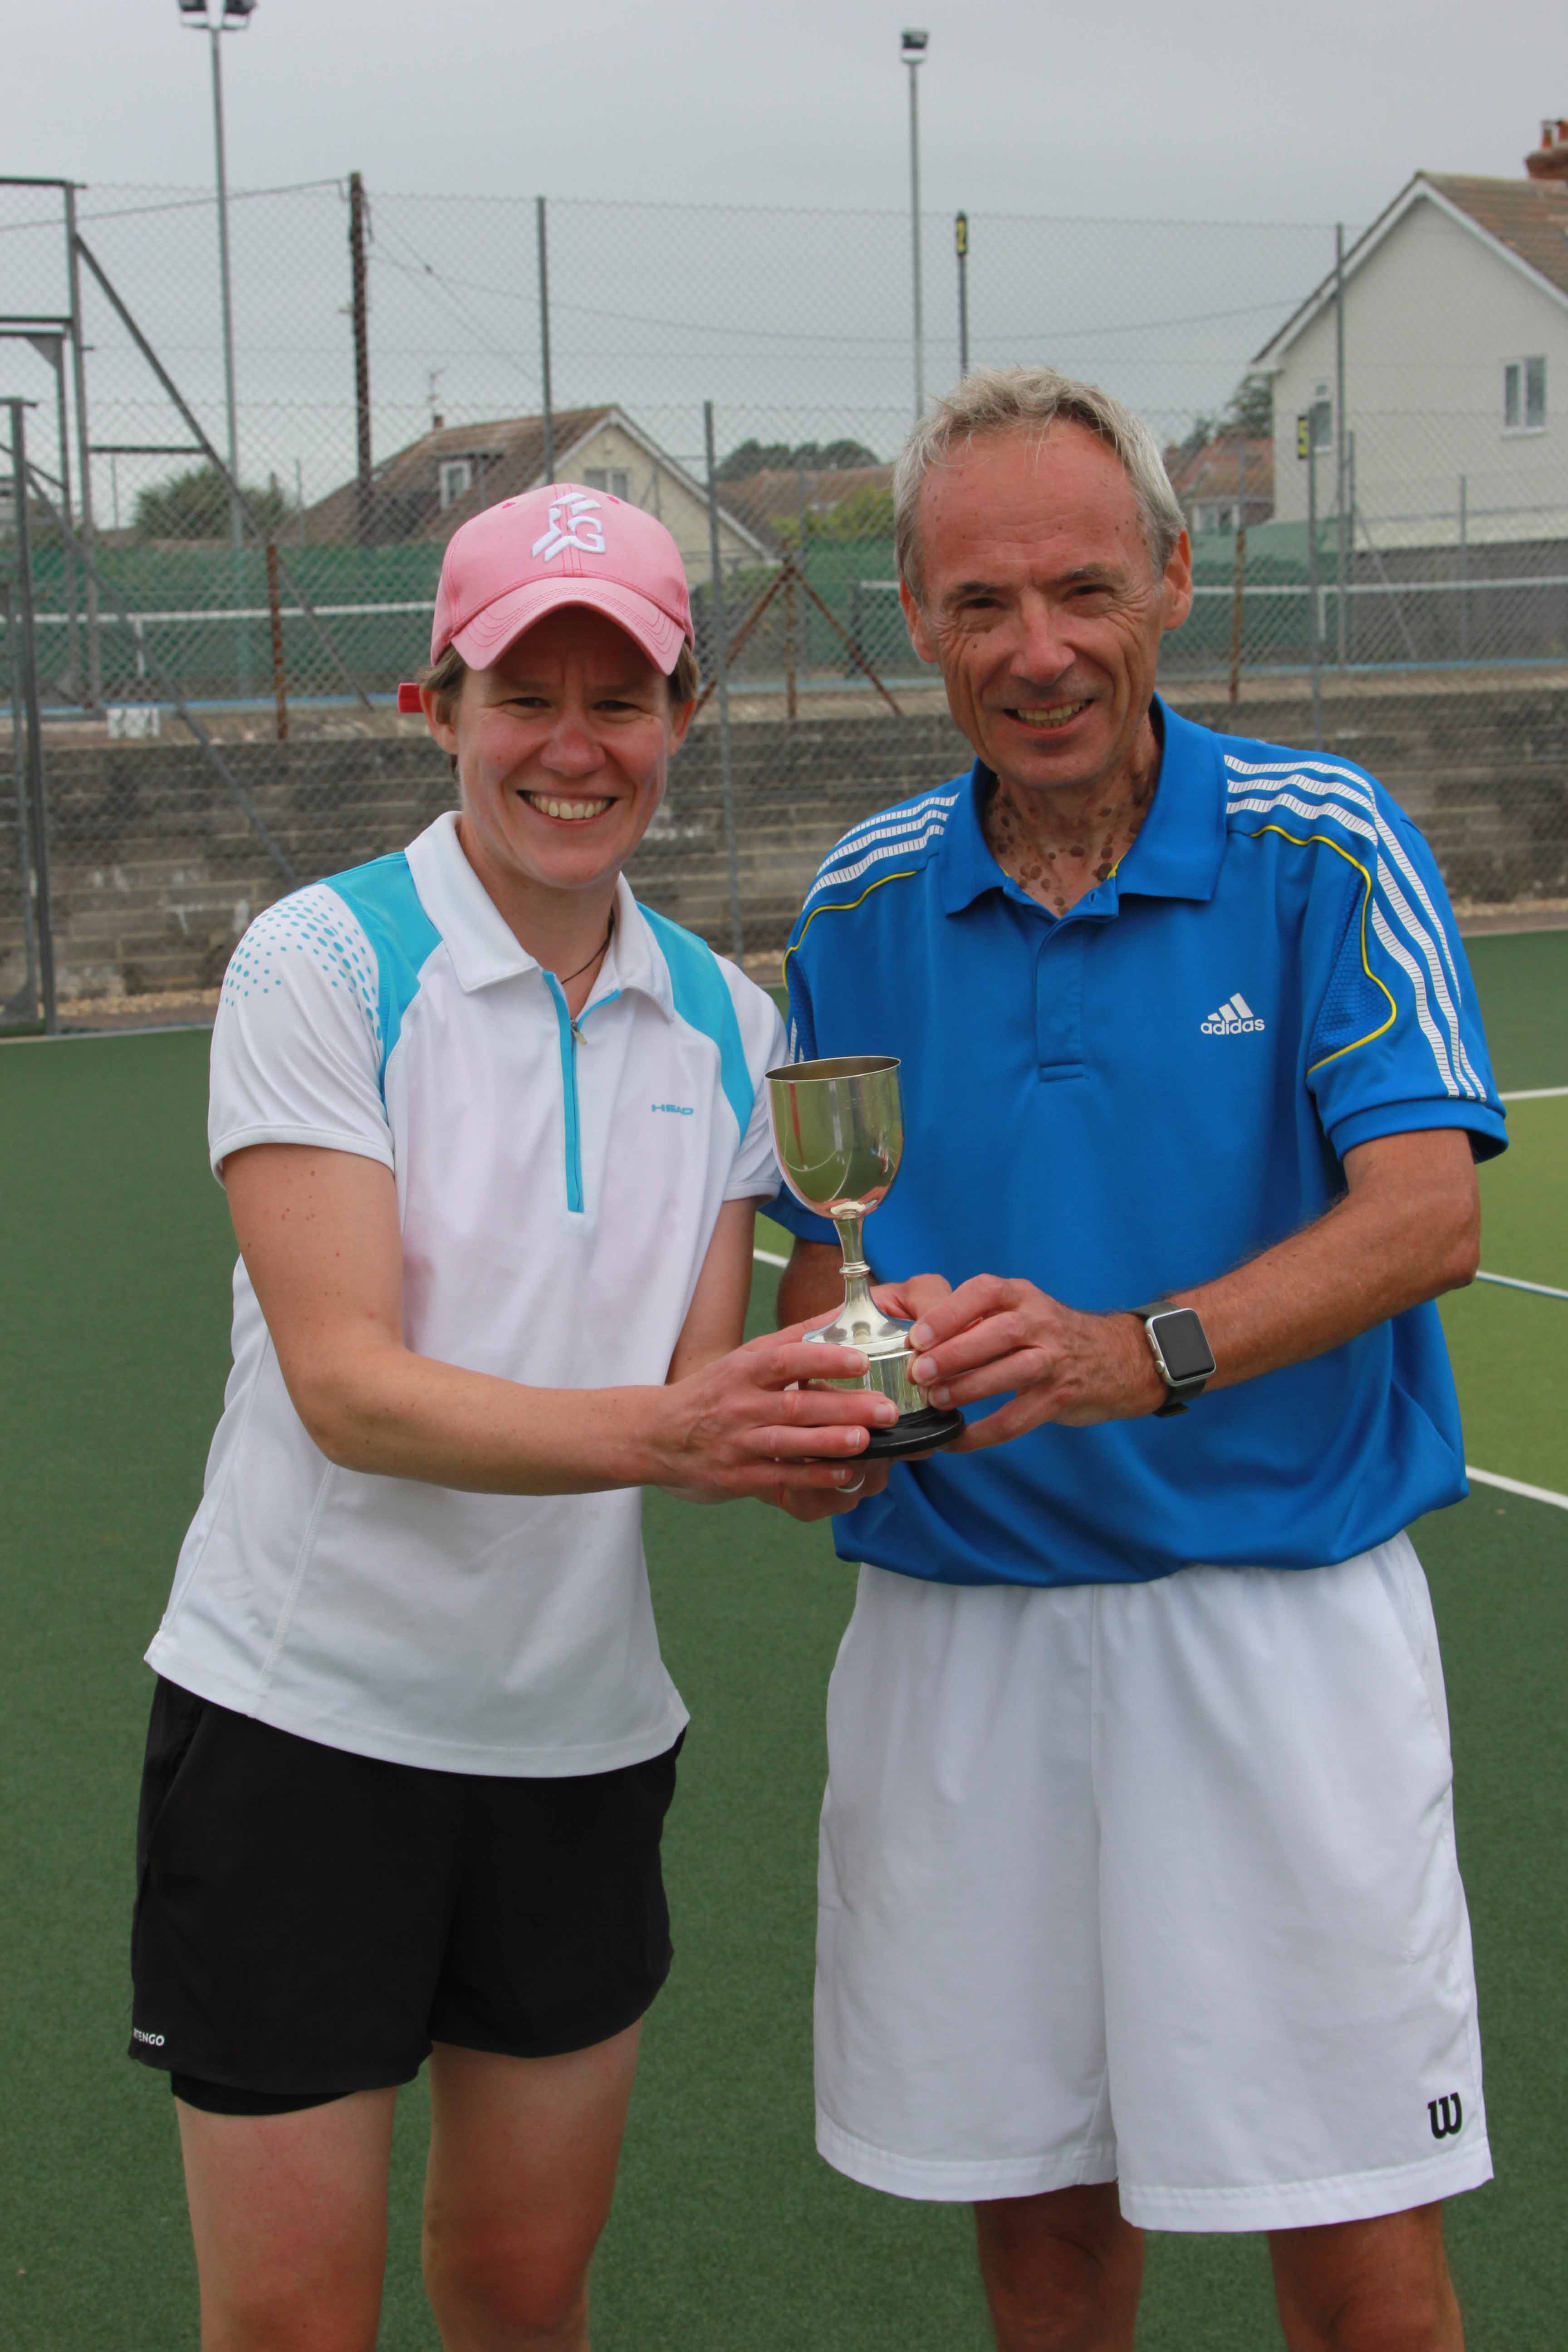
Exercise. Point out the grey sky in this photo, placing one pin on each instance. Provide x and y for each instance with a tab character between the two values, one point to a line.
1210	110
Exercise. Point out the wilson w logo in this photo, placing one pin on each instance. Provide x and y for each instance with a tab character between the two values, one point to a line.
1446	2115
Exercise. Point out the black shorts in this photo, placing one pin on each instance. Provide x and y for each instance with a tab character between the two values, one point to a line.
308	1922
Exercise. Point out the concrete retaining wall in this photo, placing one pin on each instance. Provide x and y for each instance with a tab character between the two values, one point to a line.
156	871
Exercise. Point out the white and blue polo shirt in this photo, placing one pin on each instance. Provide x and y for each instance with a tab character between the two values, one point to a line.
1132	1099
557	1187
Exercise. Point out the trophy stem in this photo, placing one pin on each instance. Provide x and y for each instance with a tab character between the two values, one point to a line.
851	1225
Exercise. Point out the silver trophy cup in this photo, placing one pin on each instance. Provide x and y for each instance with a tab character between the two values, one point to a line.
838	1130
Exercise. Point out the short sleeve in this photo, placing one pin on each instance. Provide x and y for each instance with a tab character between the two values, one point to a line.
297	1044
1397	1041
754	1174
784	1207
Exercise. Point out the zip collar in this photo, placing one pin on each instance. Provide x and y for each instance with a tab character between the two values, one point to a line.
484	949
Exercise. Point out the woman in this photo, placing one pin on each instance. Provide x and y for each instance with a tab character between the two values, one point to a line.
493	1138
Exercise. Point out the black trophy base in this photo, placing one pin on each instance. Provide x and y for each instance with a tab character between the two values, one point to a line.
913	1434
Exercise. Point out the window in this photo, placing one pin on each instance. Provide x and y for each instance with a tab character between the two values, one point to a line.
1322	414
1524	395
615	481
1215	518
456	477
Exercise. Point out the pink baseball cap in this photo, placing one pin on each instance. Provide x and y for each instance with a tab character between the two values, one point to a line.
508	566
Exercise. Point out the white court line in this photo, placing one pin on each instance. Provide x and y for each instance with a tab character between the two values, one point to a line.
769	1258
1533	1094
1516	1486
1512	1282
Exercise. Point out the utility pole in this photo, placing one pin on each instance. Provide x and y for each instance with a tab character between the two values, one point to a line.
362	488
235	519
912	50
216	18
961	246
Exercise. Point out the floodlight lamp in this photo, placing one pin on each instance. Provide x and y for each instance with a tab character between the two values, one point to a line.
217	16
913	47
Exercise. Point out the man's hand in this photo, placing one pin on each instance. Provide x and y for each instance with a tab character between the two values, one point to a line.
1406	1229
990	1336
749	1425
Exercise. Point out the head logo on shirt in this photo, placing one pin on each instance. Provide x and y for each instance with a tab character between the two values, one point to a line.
572	524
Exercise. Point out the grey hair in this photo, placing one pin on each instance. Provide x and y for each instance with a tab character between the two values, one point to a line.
995	400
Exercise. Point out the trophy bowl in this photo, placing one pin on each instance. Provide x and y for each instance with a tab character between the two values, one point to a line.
838	1132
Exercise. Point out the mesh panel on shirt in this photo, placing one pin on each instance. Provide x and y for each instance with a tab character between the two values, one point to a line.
312	922
1354	1006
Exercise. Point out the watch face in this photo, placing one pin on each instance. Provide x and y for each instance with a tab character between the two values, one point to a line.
1183	1344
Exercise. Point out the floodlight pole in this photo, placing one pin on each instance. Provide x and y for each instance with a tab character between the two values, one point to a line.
913	51
235	518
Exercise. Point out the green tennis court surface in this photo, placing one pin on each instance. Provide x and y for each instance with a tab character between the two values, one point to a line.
729	2235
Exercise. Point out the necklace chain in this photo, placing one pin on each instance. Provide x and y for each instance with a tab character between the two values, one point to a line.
566	979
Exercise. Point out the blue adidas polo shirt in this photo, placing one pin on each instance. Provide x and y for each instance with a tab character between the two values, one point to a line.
1132	1099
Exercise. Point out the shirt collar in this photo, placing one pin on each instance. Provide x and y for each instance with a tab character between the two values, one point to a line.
482	945
1179	847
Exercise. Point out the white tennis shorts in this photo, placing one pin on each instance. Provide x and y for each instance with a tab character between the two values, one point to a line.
1153	1883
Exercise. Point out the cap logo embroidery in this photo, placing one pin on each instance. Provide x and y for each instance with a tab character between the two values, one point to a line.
572	524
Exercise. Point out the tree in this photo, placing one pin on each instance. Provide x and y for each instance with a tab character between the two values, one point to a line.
195	505
863	513
751	458
1250	408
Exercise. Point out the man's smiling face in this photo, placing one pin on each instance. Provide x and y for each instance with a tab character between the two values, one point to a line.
1041	602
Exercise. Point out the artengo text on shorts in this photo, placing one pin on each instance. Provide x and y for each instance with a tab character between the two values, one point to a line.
154	2040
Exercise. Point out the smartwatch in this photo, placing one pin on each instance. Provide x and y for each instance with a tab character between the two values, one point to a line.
1181	1349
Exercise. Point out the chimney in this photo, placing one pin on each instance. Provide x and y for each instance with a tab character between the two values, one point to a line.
1550	160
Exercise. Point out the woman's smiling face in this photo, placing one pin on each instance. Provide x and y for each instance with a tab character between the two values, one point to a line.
563	748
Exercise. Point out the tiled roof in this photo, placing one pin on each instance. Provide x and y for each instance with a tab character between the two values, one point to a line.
405	495
1212	470
1529	216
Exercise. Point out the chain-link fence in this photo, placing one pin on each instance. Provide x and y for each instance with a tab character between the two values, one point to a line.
223	595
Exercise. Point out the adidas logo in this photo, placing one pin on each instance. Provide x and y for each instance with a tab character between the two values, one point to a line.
1233	1019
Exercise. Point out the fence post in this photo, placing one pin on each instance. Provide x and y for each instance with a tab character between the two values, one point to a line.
1465	567
27	663
1314	616
721	671
29	995
1238	578
275	614
1341	543
94	682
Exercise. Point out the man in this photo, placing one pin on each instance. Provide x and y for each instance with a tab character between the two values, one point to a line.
493	1138
1139	1901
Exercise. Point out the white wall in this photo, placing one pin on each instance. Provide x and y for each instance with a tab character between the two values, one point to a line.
661	492
1429	320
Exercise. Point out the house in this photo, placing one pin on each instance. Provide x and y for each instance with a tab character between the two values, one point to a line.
772	503
426	490
1454	431
1230	478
